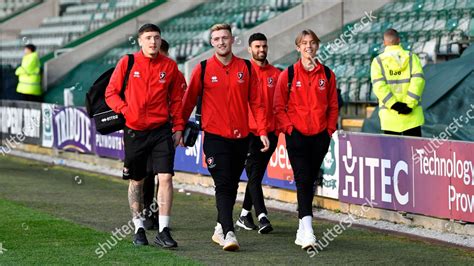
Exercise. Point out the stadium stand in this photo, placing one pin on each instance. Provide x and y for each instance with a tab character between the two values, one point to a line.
429	28
188	35
77	18
11	7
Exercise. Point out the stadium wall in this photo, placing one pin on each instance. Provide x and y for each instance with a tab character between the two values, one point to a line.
59	66
414	183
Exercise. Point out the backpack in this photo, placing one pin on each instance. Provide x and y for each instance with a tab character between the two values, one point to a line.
191	130
106	120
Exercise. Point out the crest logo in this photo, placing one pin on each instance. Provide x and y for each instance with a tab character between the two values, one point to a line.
270	82
162	77
322	84
210	162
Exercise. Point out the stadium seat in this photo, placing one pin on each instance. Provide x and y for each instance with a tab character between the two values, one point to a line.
471	27
427	27
78	19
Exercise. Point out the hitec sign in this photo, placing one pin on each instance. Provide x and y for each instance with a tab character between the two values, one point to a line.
402	174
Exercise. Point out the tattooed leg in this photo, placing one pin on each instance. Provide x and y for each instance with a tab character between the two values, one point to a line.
135	197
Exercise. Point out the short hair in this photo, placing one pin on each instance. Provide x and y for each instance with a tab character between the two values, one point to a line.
221	26
31	47
305	32
165	46
257	37
148	28
391	36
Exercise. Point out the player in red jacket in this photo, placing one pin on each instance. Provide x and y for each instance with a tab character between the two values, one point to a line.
152	97
229	87
149	186
257	161
307	113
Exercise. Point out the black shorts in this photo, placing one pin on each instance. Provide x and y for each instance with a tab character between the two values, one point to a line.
156	144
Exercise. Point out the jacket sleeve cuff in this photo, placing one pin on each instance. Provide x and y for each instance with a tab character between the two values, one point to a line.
262	132
391	102
123	109
179	127
331	131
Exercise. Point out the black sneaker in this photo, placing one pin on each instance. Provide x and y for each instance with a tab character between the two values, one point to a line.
246	222
139	239
264	226
164	239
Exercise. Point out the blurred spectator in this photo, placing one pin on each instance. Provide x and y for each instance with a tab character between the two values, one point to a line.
29	79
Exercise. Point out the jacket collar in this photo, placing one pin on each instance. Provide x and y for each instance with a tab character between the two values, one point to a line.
220	64
392	48
318	67
139	56
256	66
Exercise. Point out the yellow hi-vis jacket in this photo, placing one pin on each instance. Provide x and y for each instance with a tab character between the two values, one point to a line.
397	76
29	79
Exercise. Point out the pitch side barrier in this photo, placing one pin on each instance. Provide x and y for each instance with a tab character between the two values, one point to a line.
431	177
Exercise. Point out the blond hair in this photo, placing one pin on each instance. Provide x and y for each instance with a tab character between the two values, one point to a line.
221	26
305	32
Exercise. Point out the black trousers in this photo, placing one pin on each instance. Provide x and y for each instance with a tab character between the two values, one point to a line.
225	160
306	154
255	167
32	98
413	132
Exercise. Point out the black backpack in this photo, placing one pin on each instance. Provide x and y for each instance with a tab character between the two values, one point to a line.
106	120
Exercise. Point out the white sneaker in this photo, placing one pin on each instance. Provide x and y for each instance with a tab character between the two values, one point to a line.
308	240
218	236
299	237
230	242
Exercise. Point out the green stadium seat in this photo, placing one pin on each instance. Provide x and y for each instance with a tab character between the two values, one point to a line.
353	87
440	24
460	4
470	4
418	5
417	47
364	91
449	5
452	24
372	97
344	87
471	28
339	70
405	6
429	24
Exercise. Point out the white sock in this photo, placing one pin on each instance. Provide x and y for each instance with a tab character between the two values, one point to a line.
307	222
164	221
138	222
261	215
300	225
244	212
